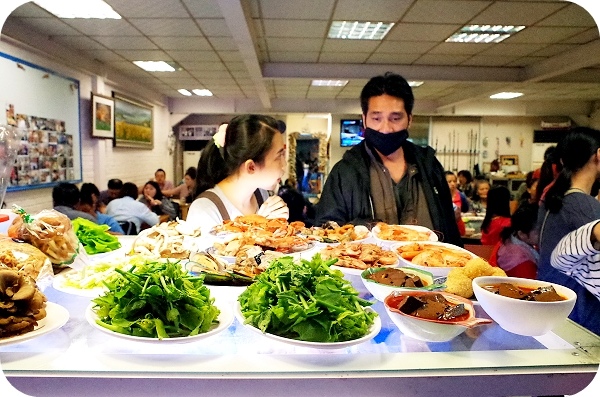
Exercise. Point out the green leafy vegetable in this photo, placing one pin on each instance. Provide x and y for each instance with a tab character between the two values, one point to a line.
156	300
94	237
306	301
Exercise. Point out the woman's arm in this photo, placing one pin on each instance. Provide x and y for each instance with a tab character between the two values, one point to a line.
578	255
176	191
167	207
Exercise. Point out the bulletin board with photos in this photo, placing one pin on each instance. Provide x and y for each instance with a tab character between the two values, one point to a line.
47	123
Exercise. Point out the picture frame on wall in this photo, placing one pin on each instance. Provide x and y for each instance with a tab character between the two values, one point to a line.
103	122
512	159
133	123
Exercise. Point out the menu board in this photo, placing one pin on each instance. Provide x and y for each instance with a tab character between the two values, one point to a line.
44	108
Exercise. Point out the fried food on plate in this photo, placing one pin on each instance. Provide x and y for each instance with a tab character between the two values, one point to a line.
459	280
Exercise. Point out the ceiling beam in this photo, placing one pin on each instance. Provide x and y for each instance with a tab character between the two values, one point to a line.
410	72
241	28
582	56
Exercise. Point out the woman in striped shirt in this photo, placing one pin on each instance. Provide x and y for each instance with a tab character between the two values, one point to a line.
578	256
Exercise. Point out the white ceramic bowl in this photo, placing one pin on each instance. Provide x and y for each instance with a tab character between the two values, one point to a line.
436	271
431	330
380	291
521	317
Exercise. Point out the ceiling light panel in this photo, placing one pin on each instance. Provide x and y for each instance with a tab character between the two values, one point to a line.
484	33
357	30
155	66
203	92
506	95
329	83
89	9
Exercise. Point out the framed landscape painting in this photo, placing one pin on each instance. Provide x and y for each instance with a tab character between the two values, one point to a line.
103	109
133	124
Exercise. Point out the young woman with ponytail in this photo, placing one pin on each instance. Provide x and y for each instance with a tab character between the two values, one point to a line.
568	205
245	159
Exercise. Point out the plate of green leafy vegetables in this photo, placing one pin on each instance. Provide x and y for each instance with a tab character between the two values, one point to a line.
159	302
305	303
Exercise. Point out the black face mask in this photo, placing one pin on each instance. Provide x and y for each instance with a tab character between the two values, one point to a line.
386	144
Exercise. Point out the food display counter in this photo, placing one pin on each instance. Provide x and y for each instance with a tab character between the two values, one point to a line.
79	359
485	360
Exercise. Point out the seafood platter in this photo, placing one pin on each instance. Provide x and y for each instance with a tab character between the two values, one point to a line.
332	233
353	258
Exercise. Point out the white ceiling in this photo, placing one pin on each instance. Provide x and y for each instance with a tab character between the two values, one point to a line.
272	49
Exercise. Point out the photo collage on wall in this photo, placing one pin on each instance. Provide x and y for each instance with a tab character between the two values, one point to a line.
45	153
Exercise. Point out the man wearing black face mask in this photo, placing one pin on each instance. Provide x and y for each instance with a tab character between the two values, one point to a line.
386	177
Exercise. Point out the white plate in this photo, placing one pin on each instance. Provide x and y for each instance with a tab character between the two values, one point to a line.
436	271
315	239
373	331
225	319
59	284
296	254
56	317
357	272
432	236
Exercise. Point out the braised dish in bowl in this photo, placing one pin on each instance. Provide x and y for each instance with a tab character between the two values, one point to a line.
380	282
431	316
524	306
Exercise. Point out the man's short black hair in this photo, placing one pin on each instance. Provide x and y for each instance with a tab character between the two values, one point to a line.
115	184
129	189
65	194
391	84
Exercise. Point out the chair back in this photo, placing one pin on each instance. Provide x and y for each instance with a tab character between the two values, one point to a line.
128	228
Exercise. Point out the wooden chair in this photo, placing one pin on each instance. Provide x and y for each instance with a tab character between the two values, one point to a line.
184	210
484	251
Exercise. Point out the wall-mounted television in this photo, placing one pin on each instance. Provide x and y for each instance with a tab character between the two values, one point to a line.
351	132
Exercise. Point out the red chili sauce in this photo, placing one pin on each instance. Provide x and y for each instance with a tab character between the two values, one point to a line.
431	307
396	277
541	294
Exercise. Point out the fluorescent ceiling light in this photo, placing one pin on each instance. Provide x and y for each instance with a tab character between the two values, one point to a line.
185	92
203	92
415	83
483	33
96	9
155	66
317	116
329	83
506	95
356	30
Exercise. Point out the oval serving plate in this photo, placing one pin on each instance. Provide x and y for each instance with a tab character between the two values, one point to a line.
373	331
422	229
225	319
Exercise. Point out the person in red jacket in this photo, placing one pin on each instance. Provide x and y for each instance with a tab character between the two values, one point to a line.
497	215
517	253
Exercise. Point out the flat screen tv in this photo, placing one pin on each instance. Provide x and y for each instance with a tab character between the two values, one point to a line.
351	132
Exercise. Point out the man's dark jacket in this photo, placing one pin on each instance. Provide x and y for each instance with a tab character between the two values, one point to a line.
346	195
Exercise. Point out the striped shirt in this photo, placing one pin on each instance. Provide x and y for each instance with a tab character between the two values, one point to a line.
576	257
